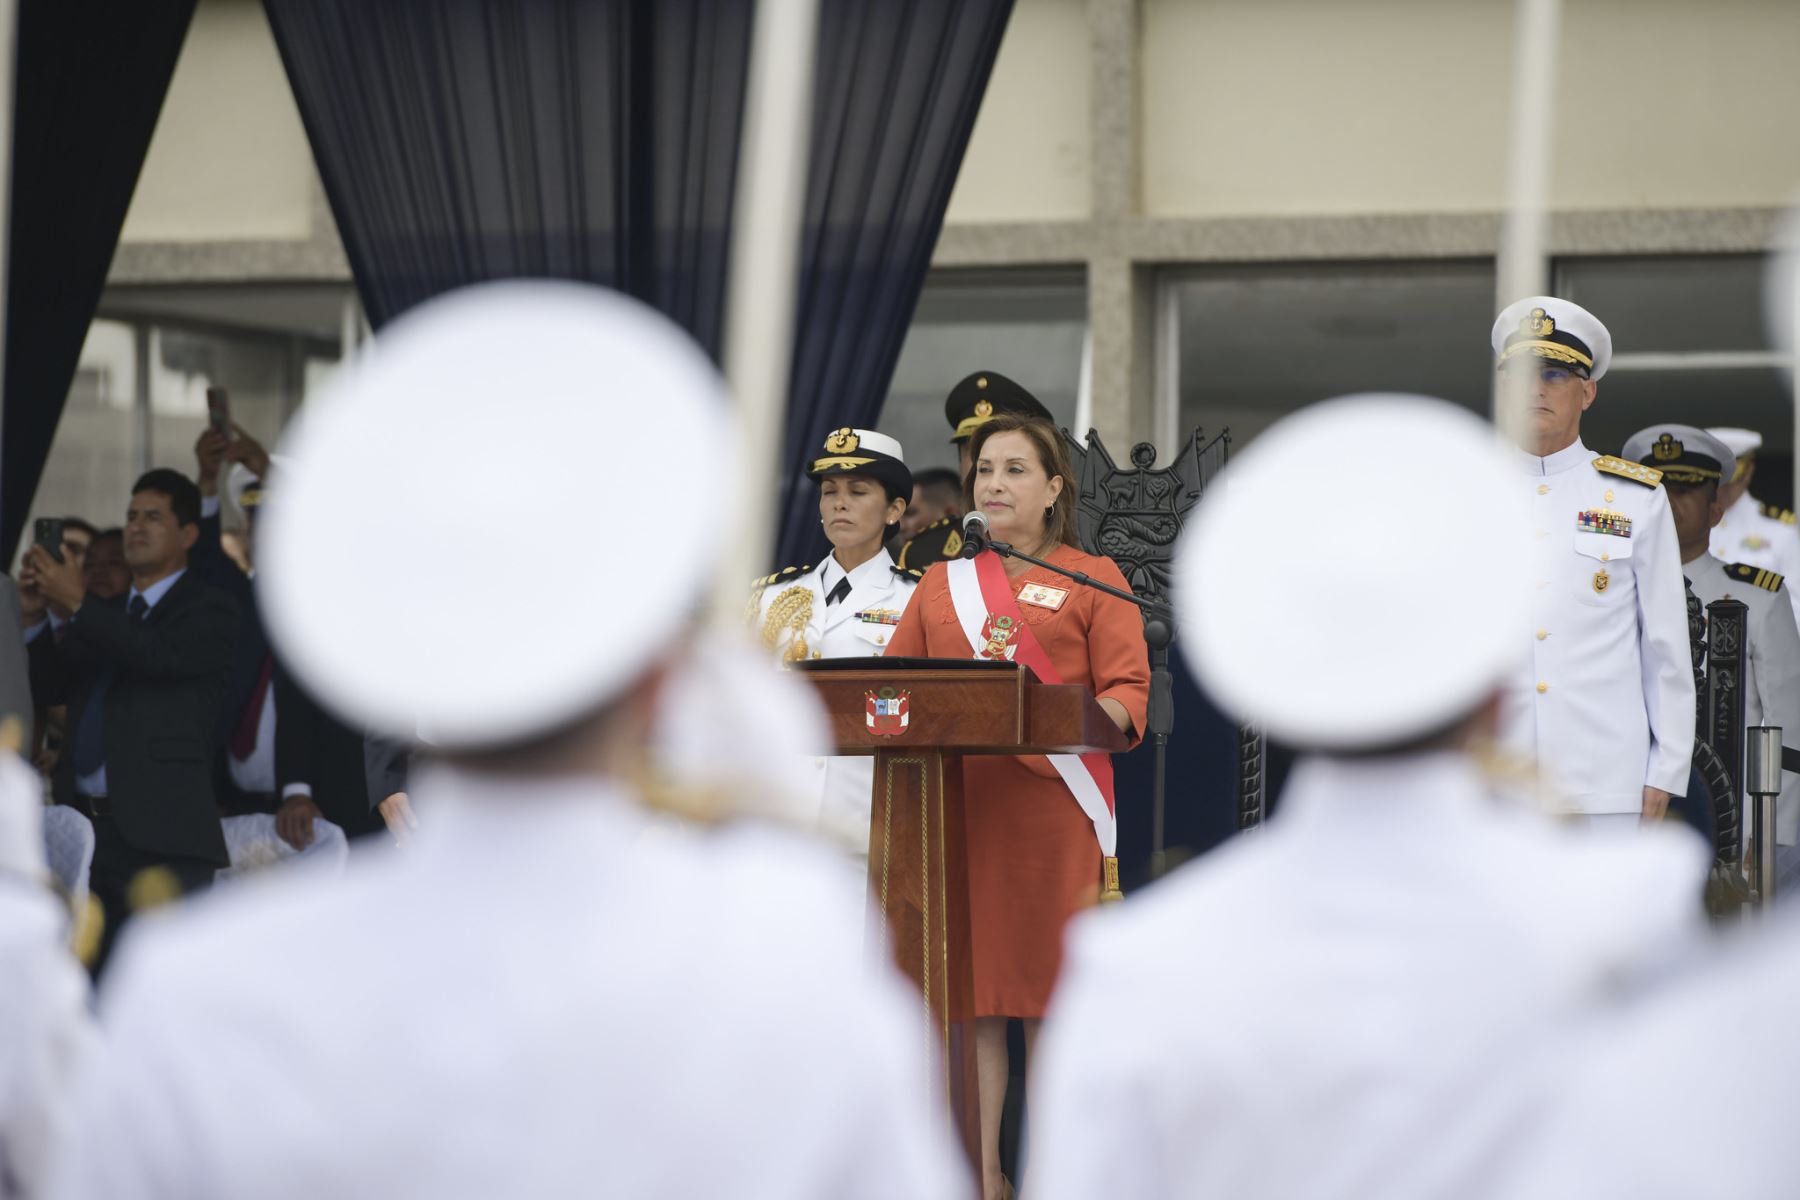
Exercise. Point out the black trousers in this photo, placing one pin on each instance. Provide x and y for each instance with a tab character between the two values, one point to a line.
118	865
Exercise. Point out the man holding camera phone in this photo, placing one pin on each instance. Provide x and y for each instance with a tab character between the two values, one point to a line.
143	674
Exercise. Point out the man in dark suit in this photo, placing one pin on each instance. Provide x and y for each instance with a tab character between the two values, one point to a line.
278	750
143	674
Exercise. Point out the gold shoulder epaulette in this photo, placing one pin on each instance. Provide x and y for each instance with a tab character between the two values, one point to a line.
1767	580
1784	515
766	580
1624	468
912	573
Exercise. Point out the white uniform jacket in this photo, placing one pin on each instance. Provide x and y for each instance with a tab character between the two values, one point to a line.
1337	1005
1772	677
554	992
858	626
1603	702
1749	534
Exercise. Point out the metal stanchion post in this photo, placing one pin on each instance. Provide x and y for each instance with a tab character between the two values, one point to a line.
1762	779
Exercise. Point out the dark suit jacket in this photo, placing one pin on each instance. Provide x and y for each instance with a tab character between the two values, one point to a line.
15	674
315	748
161	712
208	560
386	764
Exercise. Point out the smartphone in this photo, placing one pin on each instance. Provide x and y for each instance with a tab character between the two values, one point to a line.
48	533
218	410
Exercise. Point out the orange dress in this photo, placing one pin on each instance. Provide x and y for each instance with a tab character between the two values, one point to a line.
1033	858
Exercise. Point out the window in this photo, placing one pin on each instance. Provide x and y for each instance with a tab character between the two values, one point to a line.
1690	344
1030	326
139	395
1255	343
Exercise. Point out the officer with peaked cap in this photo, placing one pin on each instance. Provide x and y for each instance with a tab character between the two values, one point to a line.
972	403
1603	700
1693	463
1752	532
558	991
1328	1008
849	604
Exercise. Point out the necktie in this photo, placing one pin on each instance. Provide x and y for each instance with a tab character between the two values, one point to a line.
90	735
839	592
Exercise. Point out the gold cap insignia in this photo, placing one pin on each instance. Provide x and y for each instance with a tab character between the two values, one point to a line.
981	383
1538	323
983	408
844	441
1667	449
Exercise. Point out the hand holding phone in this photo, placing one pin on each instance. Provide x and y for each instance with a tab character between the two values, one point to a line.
48	533
218	410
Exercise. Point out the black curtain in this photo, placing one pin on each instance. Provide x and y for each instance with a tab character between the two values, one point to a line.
899	83
89	84
468	140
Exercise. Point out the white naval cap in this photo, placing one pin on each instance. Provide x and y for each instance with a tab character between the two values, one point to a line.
1683	453
1553	329
1742	442
1344	610
416	569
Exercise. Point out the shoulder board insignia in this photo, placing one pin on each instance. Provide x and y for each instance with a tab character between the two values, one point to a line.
766	580
1626	469
1785	516
1767	580
913	573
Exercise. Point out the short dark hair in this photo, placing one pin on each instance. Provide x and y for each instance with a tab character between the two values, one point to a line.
184	496
81	526
940	485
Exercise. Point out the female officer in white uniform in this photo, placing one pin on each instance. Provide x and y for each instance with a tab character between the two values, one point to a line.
848	605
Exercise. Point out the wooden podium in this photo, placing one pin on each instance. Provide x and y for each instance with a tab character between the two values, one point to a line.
919	717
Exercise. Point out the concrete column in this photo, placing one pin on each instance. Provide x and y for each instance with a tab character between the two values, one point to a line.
1119	291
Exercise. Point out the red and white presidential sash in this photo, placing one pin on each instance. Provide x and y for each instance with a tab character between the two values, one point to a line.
996	629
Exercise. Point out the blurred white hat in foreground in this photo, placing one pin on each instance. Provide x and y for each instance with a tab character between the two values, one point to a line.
1357	578
463	543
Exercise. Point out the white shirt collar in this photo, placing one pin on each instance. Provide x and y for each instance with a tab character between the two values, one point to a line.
867	573
1706	564
157	590
1573	455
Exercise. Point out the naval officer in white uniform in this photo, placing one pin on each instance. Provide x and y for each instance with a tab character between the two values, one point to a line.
1333	1006
1693	462
1749	531
848	605
557	991
1603	700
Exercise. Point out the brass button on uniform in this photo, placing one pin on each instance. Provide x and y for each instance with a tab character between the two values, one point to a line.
1542	634
1543	489
1606	558
1542	688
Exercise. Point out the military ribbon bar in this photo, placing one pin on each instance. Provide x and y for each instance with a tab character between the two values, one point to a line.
1603	520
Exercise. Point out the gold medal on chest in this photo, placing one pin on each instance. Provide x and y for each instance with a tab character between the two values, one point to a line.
1601	581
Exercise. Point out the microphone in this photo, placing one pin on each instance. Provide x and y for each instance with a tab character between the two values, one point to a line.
974	534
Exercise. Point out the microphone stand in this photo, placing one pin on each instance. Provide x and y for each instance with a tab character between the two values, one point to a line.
1159	631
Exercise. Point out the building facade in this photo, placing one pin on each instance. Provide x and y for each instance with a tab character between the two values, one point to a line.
1172	213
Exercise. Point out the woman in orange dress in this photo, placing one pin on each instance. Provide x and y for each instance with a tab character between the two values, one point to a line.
1034	854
